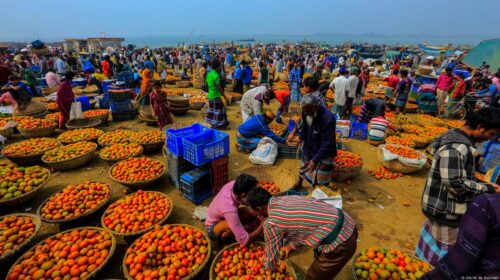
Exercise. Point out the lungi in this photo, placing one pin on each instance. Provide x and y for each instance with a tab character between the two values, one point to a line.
216	113
435	241
427	102
321	175
389	92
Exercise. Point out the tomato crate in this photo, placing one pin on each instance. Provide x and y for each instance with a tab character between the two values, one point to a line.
176	167
206	147
358	131
196	186
174	137
219	173
291	152
120	106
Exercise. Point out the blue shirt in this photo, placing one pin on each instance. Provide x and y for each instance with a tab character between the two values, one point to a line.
228	58
149	64
21	85
294	77
247	75
238	73
256	126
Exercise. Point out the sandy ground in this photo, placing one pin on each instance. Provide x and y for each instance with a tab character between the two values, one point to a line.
385	222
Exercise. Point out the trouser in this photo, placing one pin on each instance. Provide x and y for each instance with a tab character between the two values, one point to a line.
327	266
441	98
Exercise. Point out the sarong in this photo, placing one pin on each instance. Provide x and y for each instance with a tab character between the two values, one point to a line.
321	175
435	241
216	113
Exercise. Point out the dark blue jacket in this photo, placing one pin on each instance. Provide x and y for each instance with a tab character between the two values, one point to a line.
256	126
319	139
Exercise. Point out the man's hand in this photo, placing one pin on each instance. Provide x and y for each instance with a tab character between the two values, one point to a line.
496	186
285	251
311	166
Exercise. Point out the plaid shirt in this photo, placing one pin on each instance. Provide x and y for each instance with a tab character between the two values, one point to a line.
302	221
451	185
294	77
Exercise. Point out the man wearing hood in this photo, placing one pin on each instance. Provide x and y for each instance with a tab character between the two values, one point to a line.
451	185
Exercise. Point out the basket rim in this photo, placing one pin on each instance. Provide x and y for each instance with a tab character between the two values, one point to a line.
54	126
143	230
71	159
26	156
87	140
97	208
92	123
38	224
139	183
195	272
120	159
35	190
98	269
260	243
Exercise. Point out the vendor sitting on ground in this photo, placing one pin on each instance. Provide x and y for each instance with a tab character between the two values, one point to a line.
18	91
226	219
373	107
250	132
297	221
377	129
252	101
283	97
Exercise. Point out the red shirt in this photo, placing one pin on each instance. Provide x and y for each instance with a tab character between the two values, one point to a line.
393	81
105	68
281	94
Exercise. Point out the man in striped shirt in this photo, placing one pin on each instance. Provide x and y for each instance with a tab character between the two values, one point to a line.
295	221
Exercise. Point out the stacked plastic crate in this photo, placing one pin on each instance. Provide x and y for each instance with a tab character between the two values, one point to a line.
120	103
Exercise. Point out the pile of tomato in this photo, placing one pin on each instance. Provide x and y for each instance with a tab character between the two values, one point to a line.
16	181
400	141
33	123
247	263
68	152
53	117
78	135
411	128
30	147
136	212
137	169
14	231
52	106
403	151
117	136
120	151
148	136
381	172
75	200
95	113
73	254
168	252
347	159
270	186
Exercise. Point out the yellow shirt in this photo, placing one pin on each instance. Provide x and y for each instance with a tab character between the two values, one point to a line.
100	77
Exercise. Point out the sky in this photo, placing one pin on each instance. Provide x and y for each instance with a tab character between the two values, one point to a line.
57	19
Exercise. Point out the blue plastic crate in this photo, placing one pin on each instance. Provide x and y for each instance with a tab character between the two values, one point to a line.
199	199
126	77
205	147
103	103
196	185
106	84
80	82
120	106
174	137
122	116
84	100
358	131
176	167
41	82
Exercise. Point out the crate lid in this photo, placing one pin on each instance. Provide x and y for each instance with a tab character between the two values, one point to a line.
194	175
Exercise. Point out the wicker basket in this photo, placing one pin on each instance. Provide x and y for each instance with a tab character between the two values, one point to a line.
25	160
49	90
396	165
93	273
343	173
72	163
281	177
190	276
196	105
72	142
37	132
148	121
146	229
178	111
36	220
412	110
434	122
91	89
123	158
354	260
198	84
24	197
78	91
104	118
375	143
183	84
425	70
236	96
218	257
83	123
7	132
136	185
81	216
152	147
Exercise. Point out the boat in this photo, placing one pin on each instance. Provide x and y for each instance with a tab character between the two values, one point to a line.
246	40
432	50
370	51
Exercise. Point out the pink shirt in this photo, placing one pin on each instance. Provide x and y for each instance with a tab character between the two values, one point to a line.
444	82
496	82
225	207
52	79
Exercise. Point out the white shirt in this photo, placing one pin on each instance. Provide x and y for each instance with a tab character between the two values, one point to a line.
342	86
353	84
249	105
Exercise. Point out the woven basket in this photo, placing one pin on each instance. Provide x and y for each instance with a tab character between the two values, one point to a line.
136	185
375	143
141	232
412	110
25	160
7	132
72	163
81	216
24	197
72	142
36	220
343	173
37	132
78	91
152	147
178	111
91	89
194	273
49	90
434	122
236	96
123	158
148	121
395	165
425	70
281	177
83	123
183	84
104	118
198	84
196	105
93	273
218	257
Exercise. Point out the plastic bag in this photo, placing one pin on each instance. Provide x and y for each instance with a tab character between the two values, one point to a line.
418	162
266	152
76	111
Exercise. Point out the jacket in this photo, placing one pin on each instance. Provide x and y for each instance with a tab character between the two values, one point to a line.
451	185
319	139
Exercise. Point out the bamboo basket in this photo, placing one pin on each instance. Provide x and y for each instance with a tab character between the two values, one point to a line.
152	147
343	173
91	89
123	158
37	132
81	216
72	142
104	118
78	91
178	111
198	84
36	220
49	90
194	273
98	269
161	222
7	132
375	143
148	121
395	165
218	257
183	84
72	163
281	177
83	123
196	105
26	196
25	160
136	185
434	122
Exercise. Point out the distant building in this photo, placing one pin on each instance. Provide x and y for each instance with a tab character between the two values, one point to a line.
92	44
